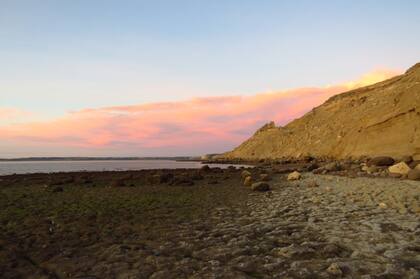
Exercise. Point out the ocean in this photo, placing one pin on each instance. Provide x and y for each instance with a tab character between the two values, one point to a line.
20	167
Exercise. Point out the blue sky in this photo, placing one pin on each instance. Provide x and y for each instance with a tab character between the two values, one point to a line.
59	56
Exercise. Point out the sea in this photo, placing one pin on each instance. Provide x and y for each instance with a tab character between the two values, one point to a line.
22	167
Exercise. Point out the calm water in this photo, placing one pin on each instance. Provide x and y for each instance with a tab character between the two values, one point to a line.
117	165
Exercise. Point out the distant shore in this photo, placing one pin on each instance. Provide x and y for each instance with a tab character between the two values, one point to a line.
180	158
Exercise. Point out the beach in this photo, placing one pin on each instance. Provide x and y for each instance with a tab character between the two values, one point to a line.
206	224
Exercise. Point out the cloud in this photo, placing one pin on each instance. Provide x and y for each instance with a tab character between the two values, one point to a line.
12	115
200	125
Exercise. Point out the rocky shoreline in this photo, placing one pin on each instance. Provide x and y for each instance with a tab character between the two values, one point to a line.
306	218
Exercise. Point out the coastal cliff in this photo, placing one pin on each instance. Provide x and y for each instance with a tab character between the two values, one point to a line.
380	119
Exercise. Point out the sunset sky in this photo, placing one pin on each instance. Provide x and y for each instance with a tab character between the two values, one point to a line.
185	77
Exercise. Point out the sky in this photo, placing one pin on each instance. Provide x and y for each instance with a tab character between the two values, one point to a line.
185	77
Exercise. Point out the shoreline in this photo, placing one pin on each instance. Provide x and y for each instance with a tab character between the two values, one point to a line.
192	223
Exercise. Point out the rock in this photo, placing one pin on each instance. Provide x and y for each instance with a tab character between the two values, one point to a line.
197	176
400	168
294	176
248	181
406	159
205	168
414	174
162	178
318	171
231	168
417	167
57	189
371	169
265	177
334	269
118	183
333	166
312	166
260	187
395	175
245	173
381	161
182	180
312	184
383	205
414	164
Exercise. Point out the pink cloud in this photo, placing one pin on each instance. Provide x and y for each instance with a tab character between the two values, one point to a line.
203	125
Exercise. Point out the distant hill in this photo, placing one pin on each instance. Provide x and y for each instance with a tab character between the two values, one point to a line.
380	119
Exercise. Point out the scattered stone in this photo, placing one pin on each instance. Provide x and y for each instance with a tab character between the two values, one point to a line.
333	166
294	176
414	164
265	177
162	178
245	173
197	176
260	187
318	171
334	269
118	183
383	205
406	159
248	181
400	168
395	175
312	184
231	168
312	166
364	167
205	168
414	174
372	169
57	189
381	161
182	180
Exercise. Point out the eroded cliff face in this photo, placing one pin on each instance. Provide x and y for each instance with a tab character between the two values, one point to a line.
381	119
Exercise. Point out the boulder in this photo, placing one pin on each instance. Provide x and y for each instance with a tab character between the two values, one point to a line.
265	177
406	159
57	189
414	174
312	184
334	269
245	173
205	168
381	161
260	187
333	166
414	164
318	171
294	176
182	180
248	181
400	168
372	169
118	183
162	178
197	176
312	166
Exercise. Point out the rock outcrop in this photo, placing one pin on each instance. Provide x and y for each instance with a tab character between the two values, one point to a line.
378	120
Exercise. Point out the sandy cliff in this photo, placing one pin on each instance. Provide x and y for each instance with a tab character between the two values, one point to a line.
381	119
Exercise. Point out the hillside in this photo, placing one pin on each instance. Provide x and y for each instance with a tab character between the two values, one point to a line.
380	119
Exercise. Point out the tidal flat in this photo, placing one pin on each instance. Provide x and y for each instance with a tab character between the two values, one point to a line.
206	224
